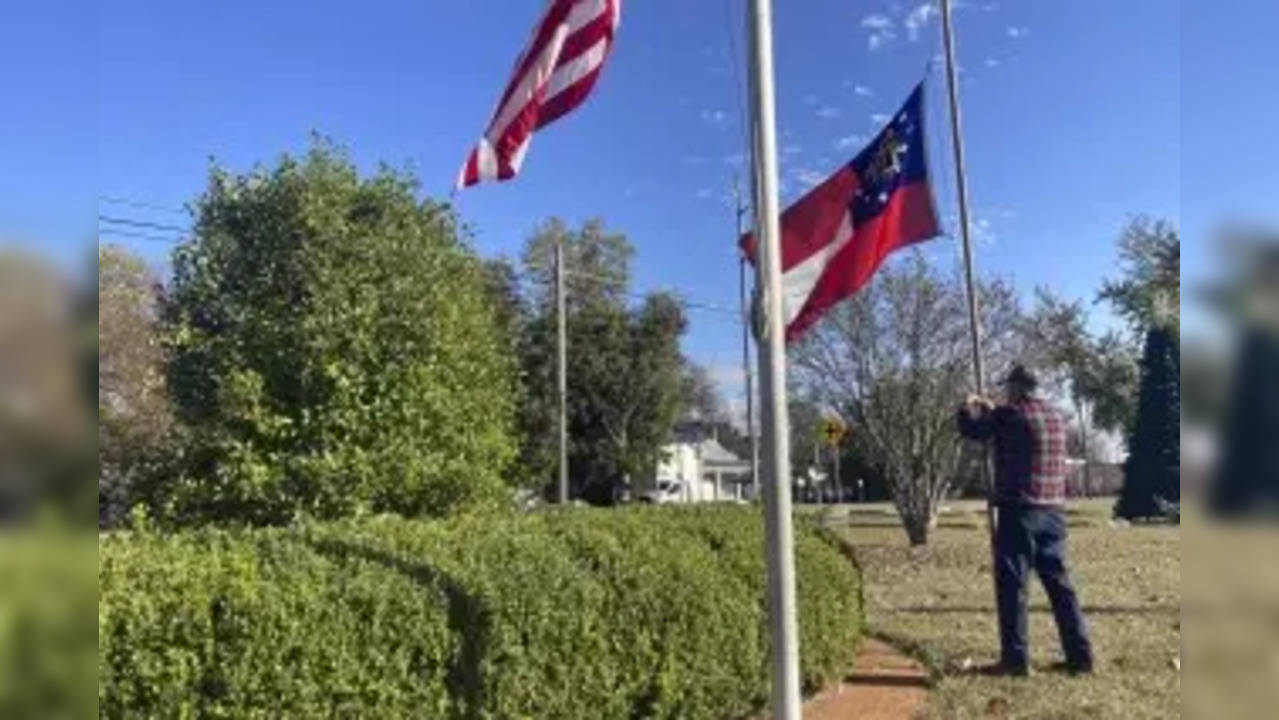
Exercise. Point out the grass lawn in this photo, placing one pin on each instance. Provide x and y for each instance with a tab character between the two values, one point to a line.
938	603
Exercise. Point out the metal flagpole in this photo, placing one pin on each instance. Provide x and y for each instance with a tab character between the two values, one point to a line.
561	375
777	488
961	187
746	345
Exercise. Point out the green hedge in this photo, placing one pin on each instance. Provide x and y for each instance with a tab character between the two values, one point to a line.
47	655
645	612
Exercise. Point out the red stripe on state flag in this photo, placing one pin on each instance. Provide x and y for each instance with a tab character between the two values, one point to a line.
812	222
906	220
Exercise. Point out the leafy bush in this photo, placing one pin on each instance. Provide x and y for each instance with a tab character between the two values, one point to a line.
333	352
647	612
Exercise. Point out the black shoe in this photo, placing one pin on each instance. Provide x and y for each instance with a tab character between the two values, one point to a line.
1072	667
1004	670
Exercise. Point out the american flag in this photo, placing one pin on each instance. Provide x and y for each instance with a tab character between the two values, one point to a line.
553	76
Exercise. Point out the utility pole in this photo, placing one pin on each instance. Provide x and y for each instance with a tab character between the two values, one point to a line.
778	525
746	344
961	187
561	378
839	481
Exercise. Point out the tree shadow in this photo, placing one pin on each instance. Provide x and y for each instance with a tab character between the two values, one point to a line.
888	679
468	619
1159	609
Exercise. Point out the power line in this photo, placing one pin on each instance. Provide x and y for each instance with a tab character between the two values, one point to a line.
128	222
733	313
690	303
129	202
113	232
136	229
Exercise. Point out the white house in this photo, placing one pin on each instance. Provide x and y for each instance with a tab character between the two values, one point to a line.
705	470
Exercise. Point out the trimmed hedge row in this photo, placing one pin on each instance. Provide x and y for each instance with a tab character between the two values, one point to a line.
643	612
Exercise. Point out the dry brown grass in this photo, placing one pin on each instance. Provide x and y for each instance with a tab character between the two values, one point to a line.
938	603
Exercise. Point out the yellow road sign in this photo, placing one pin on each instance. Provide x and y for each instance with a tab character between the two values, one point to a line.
833	431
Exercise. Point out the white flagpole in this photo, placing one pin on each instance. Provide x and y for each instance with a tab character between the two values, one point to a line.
776	436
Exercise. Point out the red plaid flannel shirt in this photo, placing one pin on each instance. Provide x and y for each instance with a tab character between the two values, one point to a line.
1030	451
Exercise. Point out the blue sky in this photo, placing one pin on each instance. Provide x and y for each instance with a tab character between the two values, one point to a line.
1075	114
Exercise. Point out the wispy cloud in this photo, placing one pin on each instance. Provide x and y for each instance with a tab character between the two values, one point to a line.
991	62
848	142
990	7
792	149
693	160
863	91
880	39
881	29
714	117
983	232
879	118
809	178
828	113
1015	32
877	21
730	378
705	194
918	18
810	100
734	159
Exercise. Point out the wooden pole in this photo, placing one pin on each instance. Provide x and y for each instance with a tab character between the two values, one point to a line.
961	187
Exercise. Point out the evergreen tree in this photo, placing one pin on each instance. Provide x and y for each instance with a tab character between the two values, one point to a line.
1248	479
1153	470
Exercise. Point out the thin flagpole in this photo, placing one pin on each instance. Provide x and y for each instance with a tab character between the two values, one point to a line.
561	372
746	343
961	188
777	488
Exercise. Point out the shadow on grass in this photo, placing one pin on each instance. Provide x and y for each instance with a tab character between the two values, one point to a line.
889	679
1162	609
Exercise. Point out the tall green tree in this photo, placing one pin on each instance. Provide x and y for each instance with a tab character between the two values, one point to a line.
625	369
333	351
1246	481
1149	291
1153	471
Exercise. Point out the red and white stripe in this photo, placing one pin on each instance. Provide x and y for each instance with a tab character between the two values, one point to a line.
554	75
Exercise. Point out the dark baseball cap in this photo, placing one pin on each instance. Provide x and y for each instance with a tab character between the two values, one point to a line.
1020	376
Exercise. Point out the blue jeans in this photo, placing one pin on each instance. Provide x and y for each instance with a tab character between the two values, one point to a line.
1032	537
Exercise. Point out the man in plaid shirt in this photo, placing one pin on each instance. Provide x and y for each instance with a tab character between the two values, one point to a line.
1030	495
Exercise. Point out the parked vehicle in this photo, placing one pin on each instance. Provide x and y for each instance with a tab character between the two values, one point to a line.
667	490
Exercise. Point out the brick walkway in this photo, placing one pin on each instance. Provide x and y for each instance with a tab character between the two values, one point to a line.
885	685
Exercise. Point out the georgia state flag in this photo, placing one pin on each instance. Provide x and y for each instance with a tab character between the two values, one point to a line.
836	237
